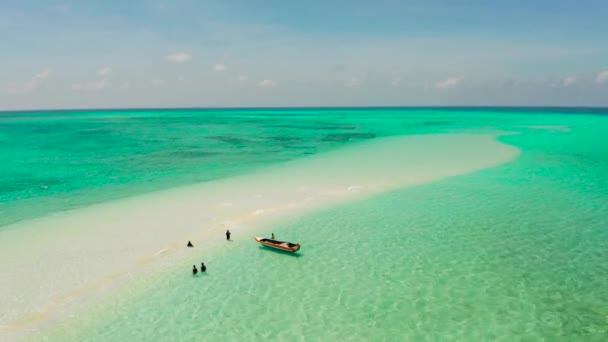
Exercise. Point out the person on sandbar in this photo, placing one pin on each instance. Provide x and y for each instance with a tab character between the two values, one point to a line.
194	270
228	234
203	267
189	244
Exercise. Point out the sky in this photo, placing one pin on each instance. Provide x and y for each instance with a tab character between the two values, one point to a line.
249	53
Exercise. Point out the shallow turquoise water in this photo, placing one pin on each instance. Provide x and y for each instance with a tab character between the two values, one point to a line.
516	252
55	161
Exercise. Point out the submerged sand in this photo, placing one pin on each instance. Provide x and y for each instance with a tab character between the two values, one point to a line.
55	265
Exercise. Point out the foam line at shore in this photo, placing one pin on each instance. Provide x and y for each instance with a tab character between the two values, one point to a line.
52	265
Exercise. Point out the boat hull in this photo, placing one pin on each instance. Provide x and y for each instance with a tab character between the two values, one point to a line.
280	245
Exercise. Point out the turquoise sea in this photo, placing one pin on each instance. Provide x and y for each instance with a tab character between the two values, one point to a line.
514	252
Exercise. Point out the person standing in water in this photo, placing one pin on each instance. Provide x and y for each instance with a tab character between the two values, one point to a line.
194	270
273	236
203	267
228	234
189	244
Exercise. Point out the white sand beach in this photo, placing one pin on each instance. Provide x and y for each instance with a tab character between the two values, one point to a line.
57	265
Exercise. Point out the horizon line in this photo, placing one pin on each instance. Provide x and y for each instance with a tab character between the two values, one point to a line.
110	109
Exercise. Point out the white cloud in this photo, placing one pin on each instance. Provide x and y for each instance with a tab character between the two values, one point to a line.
42	75
219	67
125	86
98	85
354	82
243	78
101	83
104	71
92	86
29	85
179	57
267	84
449	83
568	81
180	78
396	82
602	77
157	83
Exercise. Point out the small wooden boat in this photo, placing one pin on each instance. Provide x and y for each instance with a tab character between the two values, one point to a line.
282	245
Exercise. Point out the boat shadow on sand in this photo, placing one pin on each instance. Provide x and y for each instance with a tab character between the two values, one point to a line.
278	251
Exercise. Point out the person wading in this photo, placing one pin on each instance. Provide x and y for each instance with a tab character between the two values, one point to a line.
228	234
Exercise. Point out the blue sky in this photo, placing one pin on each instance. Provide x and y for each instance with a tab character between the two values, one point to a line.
153	53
